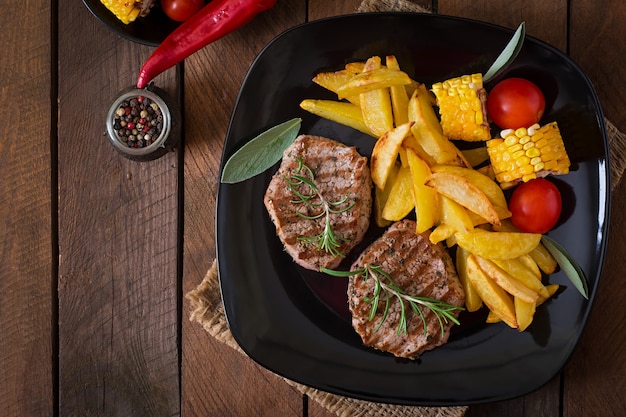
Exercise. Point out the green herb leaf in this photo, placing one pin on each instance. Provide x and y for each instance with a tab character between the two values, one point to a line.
443	311
261	153
508	54
568	264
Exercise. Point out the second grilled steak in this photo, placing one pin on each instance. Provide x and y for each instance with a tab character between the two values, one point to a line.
419	268
339	172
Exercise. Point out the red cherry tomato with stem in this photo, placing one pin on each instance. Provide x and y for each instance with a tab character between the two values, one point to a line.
515	103
535	206
181	10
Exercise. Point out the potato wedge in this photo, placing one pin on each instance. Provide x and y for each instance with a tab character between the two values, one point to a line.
544	259
377	111
400	201
498	245
492	318
332	81
375	102
381	197
338	111
465	193
427	201
385	153
427	130
506	281
399	96
488	186
473	301
530	263
524	313
373	79
455	215
441	232
494	297
552	289
515	267
411	142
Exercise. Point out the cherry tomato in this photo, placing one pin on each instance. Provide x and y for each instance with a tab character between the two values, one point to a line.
535	206
515	103
181	10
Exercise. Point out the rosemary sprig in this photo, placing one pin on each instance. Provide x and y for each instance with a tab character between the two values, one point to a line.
328	240
385	287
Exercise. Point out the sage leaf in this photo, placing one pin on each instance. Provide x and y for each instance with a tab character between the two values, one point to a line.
508	54
261	153
568	265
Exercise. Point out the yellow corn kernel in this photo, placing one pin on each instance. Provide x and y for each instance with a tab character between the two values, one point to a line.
460	102
536	151
127	11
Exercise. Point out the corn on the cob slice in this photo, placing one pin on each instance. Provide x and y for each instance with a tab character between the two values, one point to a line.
461	102
128	10
527	153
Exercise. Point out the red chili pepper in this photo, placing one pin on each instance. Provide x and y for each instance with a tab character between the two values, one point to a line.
215	20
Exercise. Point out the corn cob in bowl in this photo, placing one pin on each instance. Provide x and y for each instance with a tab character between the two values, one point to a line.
127	11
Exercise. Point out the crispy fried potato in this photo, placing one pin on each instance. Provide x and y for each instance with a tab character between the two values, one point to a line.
488	186
355	67
375	102
544	259
465	193
411	142
492	318
385	153
338	111
494	297
552	289
455	215
399	96
530	263
515	267
400	201
381	197
506	281
524	312
373	79
498	245
441	232
332	81
426	199
473	301
427	130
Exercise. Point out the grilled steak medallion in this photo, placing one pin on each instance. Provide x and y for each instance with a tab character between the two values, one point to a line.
339	173
419	268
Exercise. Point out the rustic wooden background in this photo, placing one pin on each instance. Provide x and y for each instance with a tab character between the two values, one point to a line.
97	251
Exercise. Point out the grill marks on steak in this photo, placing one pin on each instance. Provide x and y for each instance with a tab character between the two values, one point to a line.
419	268
340	171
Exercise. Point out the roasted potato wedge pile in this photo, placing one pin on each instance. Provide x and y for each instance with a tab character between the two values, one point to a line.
416	168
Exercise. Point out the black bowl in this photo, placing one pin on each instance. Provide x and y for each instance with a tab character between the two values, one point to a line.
150	30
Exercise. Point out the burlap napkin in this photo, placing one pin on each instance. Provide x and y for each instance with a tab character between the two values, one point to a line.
206	305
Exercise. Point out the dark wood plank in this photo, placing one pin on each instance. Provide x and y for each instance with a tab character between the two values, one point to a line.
26	276
595	378
217	380
545	20
118	243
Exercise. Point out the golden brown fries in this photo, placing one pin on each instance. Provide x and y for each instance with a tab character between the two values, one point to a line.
498	245
465	193
385	153
414	166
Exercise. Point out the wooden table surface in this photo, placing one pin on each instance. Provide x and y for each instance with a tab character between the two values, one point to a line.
98	251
